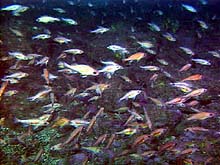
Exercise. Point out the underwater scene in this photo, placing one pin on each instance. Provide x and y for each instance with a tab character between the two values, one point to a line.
110	82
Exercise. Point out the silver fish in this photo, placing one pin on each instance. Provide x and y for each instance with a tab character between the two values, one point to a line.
116	48
39	96
41	37
154	27
17	75
201	61
189	8
130	95
47	19
69	21
100	30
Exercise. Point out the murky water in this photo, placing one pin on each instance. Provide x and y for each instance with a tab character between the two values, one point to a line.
96	113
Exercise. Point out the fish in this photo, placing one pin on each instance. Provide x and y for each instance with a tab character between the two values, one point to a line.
189	8
17	75
116	48
121	109
46	75
201	61
127	131
110	68
158	132
16	32
43	61
150	51
135	57
82	94
203	24
196	129
9	93
83	70
156	101
146	44
158	12
203	2
163	62
40	95
36	122
19	56
94	98
100	30
182	86
214	53
33	55
150	68
99	88
94	150
194	77
176	101
47	19
195	93
169	37
127	79
189	151
69	21
74	51
3	87
11	7
148	154
185	67
11	80
201	116
50	108
154	27
59	10
20	10
41	37
168	146
130	95
179	84
187	50
62	40
78	122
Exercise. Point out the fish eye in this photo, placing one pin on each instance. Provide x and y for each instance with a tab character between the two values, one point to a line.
95	73
211	114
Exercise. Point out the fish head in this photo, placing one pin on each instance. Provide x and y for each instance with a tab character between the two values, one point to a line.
95	72
211	114
139	91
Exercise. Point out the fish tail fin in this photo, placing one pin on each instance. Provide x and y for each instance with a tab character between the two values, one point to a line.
16	120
